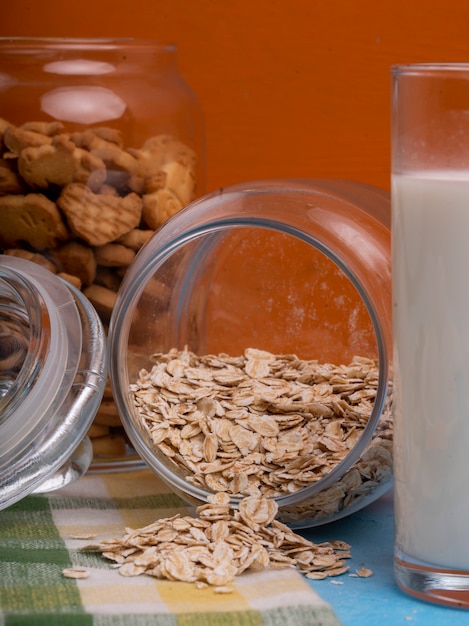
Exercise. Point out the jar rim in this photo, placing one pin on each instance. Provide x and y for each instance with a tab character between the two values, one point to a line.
239	207
136	282
409	69
87	43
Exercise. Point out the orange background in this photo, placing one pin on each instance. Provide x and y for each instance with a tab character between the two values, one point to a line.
289	88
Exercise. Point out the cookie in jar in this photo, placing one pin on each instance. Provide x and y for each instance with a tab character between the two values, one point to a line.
101	142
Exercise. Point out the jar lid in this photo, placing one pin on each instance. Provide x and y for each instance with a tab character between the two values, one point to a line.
53	367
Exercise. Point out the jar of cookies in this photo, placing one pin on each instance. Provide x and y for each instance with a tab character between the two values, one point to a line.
101	142
53	368
250	348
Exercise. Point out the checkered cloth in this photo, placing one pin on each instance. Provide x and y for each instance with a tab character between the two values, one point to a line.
36	544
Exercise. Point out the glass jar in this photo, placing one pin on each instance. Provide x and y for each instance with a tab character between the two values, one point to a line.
250	347
101	141
53	368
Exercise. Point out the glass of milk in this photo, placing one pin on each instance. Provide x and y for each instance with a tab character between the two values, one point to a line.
430	265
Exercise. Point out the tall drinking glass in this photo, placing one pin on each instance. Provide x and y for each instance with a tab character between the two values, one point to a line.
430	260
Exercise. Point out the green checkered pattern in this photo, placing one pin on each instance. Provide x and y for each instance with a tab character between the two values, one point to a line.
38	539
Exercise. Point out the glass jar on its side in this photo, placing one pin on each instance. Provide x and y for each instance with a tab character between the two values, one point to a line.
101	141
250	347
53	368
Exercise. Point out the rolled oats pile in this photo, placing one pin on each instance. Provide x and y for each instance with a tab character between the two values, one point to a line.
265	424
220	544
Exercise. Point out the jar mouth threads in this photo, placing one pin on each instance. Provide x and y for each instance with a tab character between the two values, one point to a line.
55	394
21	319
271	266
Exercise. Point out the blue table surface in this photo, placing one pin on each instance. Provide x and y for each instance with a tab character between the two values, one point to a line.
375	600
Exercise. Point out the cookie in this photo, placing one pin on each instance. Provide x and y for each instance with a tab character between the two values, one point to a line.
99	219
102	299
32	219
17	139
107	277
73	280
34	257
45	128
114	255
180	179
119	163
77	259
159	206
60	163
136	238
10	180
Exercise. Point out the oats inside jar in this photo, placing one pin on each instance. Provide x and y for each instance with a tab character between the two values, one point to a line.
268	424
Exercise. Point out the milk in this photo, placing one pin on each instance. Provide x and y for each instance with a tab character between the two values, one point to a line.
431	366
